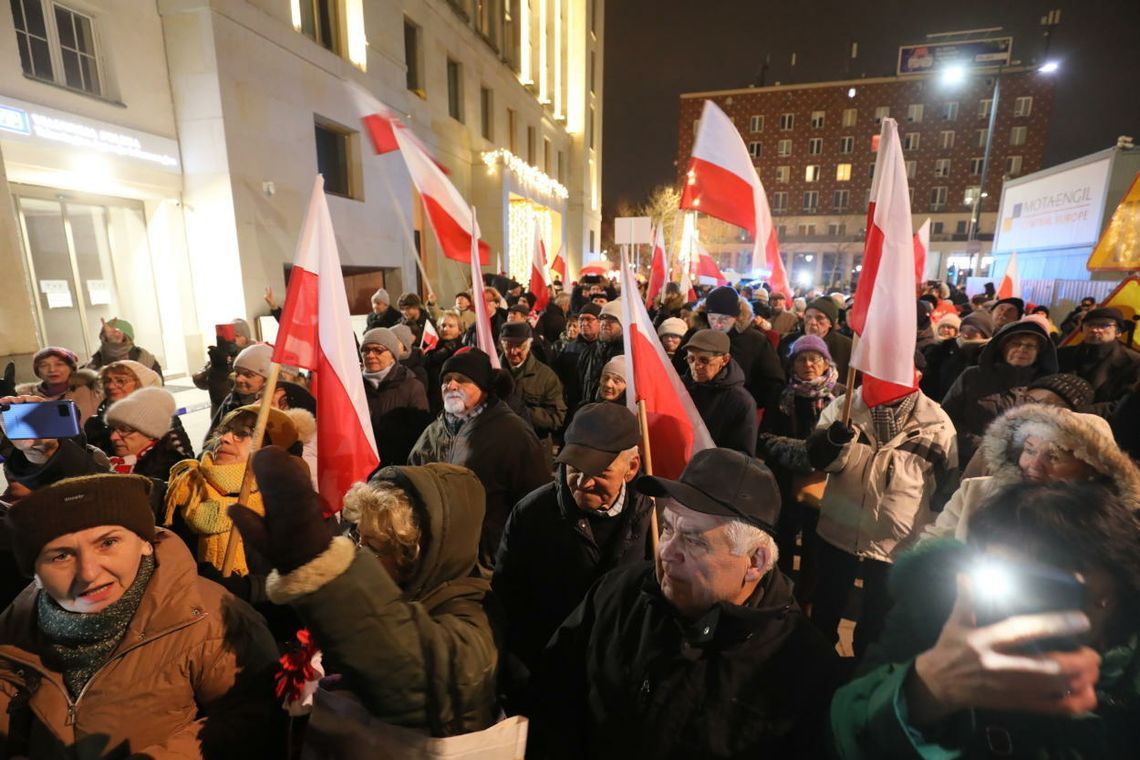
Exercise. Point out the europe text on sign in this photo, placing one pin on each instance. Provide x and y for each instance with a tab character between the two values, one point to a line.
1059	210
922	59
1118	249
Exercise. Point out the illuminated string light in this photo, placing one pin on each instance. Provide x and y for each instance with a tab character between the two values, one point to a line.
528	175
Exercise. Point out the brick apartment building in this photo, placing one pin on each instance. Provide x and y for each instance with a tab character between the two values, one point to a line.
812	145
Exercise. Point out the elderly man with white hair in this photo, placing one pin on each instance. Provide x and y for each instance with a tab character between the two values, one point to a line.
703	653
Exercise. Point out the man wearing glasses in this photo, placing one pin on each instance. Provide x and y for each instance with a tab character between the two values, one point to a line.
1109	366
716	384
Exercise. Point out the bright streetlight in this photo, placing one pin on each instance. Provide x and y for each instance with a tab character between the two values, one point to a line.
1048	67
954	74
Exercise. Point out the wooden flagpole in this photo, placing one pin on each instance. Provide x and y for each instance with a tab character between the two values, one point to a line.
849	397
647	467
247	478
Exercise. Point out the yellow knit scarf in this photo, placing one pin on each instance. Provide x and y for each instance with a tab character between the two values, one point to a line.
202	492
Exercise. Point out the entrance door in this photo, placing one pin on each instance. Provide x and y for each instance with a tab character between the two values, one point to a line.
88	261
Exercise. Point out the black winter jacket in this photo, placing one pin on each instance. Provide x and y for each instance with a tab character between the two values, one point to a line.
763	373
728	410
399	412
1111	369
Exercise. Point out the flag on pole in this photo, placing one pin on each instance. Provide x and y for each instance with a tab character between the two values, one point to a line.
921	246
658	268
600	267
446	210
538	280
315	334
1010	286
707	268
884	310
722	182
484	338
559	266
430	338
676	430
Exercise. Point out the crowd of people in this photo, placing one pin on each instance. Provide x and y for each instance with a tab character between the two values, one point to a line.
511	556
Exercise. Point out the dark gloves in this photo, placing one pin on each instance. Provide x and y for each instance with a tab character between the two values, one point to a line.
219	358
823	446
292	533
8	381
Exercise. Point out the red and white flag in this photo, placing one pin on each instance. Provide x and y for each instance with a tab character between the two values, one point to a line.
658	268
921	246
446	210
676	430
484	338
1010	286
559	266
707	268
599	267
538	280
315	334
884	310
722	182
430	337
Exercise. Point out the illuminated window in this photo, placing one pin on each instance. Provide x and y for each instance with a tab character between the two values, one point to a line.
811	173
58	46
843	172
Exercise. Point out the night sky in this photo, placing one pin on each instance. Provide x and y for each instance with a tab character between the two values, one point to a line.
657	49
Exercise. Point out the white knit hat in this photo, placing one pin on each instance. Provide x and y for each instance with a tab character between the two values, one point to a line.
147	377
615	366
255	358
147	410
613	310
672	326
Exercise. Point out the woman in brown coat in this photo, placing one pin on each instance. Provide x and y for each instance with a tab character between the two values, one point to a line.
119	649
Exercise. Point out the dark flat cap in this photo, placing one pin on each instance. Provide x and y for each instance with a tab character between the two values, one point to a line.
597	434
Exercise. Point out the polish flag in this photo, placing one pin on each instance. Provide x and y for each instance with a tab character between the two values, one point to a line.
315	334
722	182
687	281
676	430
602	267
430	338
921	246
1010	286
559	266
883	313
538	281
446	210
484	338
658	269
707	268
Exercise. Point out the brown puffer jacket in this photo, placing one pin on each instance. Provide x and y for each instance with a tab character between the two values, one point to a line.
192	677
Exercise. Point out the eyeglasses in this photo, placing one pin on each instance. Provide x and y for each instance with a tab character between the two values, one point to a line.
368	350
1100	325
1023	344
123	430
116	382
239	432
702	361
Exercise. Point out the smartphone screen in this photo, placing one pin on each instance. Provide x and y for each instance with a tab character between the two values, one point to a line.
41	419
1004	588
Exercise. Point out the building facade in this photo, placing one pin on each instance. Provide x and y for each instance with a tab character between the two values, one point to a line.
813	146
157	158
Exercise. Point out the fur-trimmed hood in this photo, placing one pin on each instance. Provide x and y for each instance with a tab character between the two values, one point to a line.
305	423
1086	435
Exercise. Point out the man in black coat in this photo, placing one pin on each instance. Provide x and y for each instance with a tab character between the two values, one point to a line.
397	401
610	343
568	360
553	320
821	318
1110	367
763	373
716	384
702	654
589	518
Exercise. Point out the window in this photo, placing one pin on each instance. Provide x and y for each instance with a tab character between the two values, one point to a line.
942	167
1023	106
960	227
784	148
846	144
805	229
837	229
454	90
843	172
1013	165
840	200
783	173
336	155
787	121
936	228
319	22
755	149
593	71
486	22
946	139
486	113
817	118
562	166
976	166
811	201
971	195
530	145
781	231
911	140
938	198
512	131
950	111
980	136
984	107
779	201
1017	135
590	126
546	155
850	116
59	47
914	113
811	173
815	146
881	113
911	169
755	123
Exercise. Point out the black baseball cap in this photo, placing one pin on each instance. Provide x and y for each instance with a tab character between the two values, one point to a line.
725	483
597	434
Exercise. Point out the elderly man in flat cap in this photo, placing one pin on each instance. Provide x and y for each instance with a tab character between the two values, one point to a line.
703	653
536	387
589	518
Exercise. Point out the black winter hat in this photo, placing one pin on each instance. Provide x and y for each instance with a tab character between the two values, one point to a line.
980	320
590	308
723	300
515	331
1076	392
1106	312
472	364
923	308
827	306
1016	303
